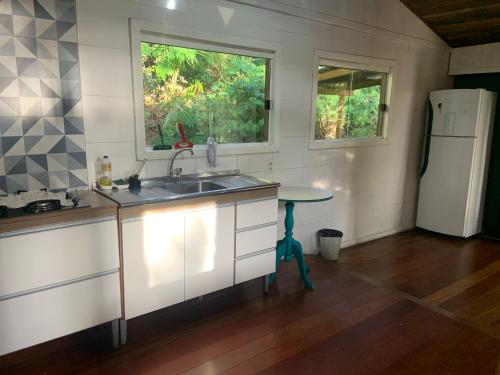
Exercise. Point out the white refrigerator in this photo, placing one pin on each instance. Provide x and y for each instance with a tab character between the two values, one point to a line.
454	161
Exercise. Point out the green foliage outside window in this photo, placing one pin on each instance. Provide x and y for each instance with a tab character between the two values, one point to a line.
214	94
347	103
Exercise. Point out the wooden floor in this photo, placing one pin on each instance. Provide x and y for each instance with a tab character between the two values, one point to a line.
350	324
459	276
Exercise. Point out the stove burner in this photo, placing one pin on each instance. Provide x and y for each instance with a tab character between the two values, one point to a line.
43	206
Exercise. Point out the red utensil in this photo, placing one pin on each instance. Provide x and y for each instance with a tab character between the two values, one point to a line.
183	143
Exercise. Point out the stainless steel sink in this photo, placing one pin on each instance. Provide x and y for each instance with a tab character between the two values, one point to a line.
193	187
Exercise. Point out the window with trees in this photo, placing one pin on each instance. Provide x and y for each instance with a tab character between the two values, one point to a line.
351	103
214	93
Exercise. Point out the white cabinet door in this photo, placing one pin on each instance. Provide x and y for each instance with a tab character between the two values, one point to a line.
209	250
37	317
153	262
38	258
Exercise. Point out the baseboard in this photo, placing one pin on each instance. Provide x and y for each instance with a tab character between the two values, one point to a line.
369	237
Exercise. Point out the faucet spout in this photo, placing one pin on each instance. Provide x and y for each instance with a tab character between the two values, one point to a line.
177	173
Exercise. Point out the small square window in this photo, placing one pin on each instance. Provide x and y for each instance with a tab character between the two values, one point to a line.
349	104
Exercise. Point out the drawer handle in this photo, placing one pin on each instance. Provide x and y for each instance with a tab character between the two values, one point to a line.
57	285
260	252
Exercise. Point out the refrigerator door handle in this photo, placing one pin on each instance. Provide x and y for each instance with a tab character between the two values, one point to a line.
426	143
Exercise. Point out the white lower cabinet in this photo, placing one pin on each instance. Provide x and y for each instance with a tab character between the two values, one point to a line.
251	267
209	250
56	280
153	262
41	316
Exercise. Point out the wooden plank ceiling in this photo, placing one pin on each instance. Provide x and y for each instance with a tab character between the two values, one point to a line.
460	23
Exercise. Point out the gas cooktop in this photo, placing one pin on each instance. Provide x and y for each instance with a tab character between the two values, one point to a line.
37	201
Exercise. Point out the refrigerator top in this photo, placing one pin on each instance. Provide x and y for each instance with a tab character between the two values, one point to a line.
456	113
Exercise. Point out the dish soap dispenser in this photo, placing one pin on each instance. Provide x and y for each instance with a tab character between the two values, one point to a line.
106	180
211	152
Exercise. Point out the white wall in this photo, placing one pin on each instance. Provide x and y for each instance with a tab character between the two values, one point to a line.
483	58
374	187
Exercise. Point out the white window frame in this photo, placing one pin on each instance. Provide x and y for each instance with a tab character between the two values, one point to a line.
201	39
354	62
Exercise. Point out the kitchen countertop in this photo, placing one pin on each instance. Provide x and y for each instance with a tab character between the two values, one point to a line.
155	191
93	206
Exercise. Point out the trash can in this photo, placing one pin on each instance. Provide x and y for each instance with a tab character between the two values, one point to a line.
329	243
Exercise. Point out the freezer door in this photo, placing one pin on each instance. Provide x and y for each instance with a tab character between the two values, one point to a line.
455	112
444	186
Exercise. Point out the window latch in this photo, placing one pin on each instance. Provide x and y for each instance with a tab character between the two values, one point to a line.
267	104
384	107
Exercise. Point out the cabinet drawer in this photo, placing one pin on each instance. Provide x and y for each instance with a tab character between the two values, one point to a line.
254	266
37	317
253	240
39	258
249	214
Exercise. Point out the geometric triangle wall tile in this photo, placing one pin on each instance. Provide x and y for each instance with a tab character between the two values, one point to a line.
22	8
27	67
6	123
52	107
2	166
41	12
15	164
78	179
73	125
24	26
29	122
12	90
47	49
58	179
31	107
69	70
8	66
65	11
59	147
33	167
25	47
41	26
50	88
45	144
68	51
16	130
17	149
30	141
17	182
68	105
75	143
49	6
6	24
53	126
29	87
5	7
40	160
70	89
8	143
57	162
7	46
10	106
49	33
70	35
37	181
77	160
48	68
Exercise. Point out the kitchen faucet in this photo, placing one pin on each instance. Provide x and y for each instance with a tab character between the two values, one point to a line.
175	174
